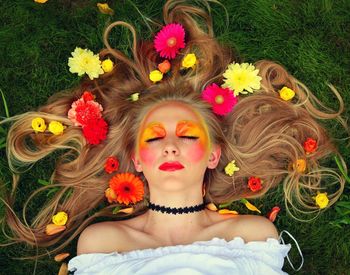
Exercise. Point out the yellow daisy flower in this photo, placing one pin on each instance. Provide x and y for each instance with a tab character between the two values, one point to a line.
241	78
231	168
85	61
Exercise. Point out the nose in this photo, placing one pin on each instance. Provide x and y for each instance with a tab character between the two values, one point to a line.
170	148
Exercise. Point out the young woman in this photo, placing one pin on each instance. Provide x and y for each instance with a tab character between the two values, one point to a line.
166	146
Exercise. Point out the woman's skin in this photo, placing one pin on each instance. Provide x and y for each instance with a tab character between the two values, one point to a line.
173	132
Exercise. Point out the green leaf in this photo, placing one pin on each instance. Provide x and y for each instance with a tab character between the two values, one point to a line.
341	168
53	190
43	182
116	209
5	104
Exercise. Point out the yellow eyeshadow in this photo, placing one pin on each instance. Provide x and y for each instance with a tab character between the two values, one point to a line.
154	130
188	128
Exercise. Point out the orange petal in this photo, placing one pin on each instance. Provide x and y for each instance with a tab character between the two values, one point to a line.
227	211
63	269
211	206
52	229
61	257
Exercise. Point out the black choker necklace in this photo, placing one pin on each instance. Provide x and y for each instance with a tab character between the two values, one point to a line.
176	210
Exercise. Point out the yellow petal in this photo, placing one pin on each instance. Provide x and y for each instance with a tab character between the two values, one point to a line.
61	257
63	269
211	206
105	9
126	210
227	211
251	207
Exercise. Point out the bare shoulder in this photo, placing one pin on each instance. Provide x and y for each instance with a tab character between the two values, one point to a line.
254	228
103	237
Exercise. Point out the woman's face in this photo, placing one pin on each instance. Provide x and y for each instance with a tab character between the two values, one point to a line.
173	146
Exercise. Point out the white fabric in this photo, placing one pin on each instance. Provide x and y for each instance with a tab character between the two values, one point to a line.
216	256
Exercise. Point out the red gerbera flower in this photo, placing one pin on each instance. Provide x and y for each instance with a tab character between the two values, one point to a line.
95	130
169	40
254	184
111	165
221	99
83	111
127	188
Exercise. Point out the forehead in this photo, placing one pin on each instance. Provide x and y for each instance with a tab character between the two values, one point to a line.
171	112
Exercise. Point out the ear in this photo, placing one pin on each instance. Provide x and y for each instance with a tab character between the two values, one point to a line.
136	161
214	157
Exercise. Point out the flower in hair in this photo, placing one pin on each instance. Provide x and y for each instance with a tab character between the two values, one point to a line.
169	40
95	131
250	206
134	96
125	188
231	168
155	76
241	78
111	165
60	218
164	67
38	124
40	1
310	145
273	213
300	165
286	93
254	184
222	100
189	61
84	61
105	9
84	109
56	127
107	65
321	200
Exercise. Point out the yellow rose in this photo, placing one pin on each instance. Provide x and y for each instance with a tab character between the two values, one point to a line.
105	9
60	218
56	127
286	93
41	1
321	200
231	168
107	65
38	124
189	60
155	76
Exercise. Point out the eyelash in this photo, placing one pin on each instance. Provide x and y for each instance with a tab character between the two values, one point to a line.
183	137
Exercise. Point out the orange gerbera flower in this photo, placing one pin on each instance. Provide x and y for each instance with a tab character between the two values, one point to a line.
127	188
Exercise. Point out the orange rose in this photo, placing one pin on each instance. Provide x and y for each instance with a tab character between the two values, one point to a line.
310	145
164	67
254	184
110	195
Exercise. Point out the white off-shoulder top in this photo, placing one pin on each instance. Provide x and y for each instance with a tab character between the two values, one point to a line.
216	256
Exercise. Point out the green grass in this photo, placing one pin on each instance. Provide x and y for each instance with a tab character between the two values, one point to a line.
310	38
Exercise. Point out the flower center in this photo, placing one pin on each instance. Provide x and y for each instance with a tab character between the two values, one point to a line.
219	99
171	42
126	188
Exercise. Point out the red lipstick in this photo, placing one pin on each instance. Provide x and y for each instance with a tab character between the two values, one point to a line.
171	166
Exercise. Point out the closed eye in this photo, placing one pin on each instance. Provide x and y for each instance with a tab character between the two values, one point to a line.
189	137
153	139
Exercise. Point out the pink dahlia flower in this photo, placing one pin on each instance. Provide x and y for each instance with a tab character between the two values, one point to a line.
82	112
169	40
221	99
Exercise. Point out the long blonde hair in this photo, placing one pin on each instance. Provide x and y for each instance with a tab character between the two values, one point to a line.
264	134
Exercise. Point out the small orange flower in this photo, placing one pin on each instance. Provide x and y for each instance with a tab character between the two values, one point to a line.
111	165
310	145
300	165
127	188
164	67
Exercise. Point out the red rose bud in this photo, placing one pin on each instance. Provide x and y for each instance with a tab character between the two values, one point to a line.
254	184
310	145
273	213
87	96
164	67
111	165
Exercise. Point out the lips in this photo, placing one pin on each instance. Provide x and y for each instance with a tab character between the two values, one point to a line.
171	166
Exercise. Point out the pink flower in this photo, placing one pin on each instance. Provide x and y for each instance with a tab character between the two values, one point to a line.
82	111
221	99
169	40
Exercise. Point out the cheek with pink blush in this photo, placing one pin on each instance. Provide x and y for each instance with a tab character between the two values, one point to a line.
196	152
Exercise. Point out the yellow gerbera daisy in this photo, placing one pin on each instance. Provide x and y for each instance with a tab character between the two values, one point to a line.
85	61
241	78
